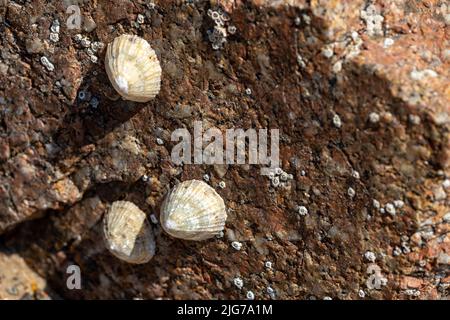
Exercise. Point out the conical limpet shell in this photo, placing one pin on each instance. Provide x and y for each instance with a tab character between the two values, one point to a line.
133	68
193	211
128	235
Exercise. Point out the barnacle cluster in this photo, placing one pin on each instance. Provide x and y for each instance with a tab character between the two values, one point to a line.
278	177
218	35
90	47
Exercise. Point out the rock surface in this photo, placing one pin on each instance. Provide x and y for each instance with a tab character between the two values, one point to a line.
360	91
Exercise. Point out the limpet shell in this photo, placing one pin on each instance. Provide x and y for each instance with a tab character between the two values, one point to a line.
133	68
127	233
193	211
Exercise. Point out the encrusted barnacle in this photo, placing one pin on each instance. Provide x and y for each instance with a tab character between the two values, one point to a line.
127	233
193	211
133	68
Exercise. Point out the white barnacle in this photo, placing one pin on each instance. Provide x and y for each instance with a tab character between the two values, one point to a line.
133	68
193	211
397	251
302	210
238	282
271	292
85	42
231	29
47	64
399	204
370	256
376	204
351	192
54	37
374	117
388	42
355	174
140	19
327	52
236	245
337	67
337	121
275	182
55	27
250	295
390	208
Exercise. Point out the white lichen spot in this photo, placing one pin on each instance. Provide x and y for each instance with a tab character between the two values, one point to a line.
399	204
446	218
420	75
388	42
373	19
337	67
306	18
